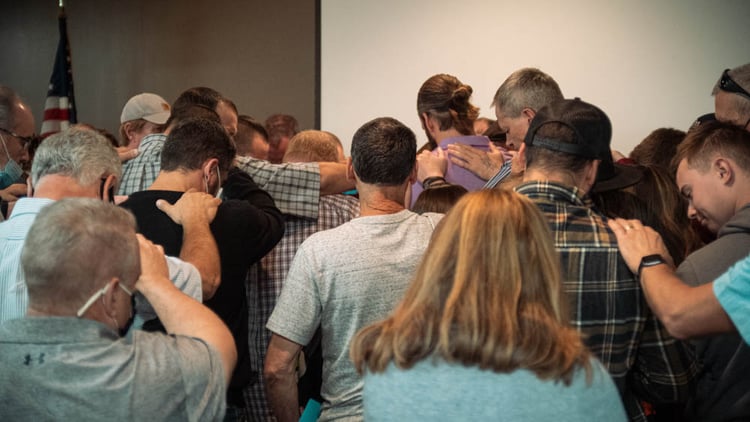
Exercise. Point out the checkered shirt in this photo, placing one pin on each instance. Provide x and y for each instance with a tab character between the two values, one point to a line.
295	187
266	279
140	172
608	306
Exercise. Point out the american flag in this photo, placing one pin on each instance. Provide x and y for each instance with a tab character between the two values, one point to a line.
60	108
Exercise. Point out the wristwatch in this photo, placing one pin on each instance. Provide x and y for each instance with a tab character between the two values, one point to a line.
649	261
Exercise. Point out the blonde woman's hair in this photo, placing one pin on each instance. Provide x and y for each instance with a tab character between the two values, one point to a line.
487	293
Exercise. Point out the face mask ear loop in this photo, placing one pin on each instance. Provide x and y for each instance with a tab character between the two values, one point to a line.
5	147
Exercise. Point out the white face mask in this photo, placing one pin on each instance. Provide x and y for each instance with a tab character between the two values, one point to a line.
12	171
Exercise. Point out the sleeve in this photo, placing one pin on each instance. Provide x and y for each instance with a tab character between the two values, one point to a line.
500	176
298	311
191	373
295	187
732	290
665	368
184	276
262	223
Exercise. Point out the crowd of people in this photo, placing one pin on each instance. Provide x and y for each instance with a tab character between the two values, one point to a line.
207	265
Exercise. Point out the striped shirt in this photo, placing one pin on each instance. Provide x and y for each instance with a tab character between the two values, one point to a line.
608	305
500	176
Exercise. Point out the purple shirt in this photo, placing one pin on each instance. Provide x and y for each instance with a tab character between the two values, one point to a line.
455	174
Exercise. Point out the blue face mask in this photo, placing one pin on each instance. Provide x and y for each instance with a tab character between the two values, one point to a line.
12	172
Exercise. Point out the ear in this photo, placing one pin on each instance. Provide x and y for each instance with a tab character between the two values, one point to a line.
208	167
589	176
428	123
528	113
521	155
109	298
725	170
350	175
413	175
128	129
109	188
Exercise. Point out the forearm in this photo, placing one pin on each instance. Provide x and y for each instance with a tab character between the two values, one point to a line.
282	396
333	179
199	248
280	375
182	315
685	311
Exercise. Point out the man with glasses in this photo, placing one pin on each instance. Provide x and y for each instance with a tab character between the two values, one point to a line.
67	361
16	131
732	96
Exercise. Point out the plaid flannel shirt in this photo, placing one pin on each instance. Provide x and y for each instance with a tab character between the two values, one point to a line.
266	279
295	187
608	306
140	172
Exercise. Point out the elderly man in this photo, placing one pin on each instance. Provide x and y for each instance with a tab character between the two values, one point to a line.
732	96
16	131
516	102
564	147
82	163
345	278
67	360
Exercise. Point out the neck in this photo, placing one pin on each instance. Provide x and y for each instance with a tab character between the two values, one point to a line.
442	135
56	187
179	181
379	200
561	177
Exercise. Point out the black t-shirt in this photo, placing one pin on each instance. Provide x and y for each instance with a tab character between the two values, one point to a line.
246	227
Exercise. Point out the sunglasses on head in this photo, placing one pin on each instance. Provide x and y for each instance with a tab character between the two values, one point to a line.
726	83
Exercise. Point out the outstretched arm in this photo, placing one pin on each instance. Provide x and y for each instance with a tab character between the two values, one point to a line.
685	311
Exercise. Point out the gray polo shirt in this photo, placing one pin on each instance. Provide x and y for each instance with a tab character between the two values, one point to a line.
56	368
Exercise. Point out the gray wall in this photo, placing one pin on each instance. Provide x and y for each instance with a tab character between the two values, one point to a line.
261	54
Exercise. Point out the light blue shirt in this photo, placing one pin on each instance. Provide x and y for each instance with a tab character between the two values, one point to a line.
13	293
732	289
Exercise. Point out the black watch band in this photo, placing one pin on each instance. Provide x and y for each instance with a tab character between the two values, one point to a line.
649	261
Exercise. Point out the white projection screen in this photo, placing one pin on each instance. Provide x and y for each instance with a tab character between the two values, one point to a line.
647	64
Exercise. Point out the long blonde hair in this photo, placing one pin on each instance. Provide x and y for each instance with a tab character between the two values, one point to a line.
487	293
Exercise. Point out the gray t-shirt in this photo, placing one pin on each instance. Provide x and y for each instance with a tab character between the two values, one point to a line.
439	391
70	369
344	279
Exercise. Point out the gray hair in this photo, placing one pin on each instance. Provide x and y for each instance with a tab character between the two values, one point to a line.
527	87
8	100
741	76
81	154
74	247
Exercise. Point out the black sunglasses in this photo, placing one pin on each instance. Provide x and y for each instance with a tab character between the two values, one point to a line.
25	140
727	84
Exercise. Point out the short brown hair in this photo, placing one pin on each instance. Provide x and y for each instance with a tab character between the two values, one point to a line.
706	141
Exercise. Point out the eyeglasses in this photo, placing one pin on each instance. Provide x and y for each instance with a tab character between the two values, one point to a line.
25	140
726	83
96	297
